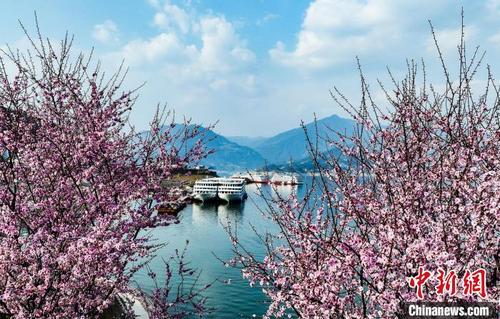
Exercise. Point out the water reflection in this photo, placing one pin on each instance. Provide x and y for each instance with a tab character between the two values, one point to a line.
275	191
285	191
221	213
204	227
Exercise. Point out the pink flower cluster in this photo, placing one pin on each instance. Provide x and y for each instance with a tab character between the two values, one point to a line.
77	185
416	186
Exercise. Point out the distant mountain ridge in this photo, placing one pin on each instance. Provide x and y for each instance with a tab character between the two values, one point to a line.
230	156
292	144
227	156
240	153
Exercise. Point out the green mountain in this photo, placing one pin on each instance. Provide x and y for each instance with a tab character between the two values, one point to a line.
245	153
292	144
227	155
230	156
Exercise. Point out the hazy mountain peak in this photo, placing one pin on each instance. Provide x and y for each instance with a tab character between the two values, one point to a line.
292	144
241	152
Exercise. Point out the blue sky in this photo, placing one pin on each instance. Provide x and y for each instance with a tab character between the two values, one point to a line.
259	66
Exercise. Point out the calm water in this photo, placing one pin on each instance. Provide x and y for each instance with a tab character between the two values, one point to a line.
204	226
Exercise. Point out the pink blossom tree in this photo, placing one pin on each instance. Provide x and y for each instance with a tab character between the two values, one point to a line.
77	183
416	185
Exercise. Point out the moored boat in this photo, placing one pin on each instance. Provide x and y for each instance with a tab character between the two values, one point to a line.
254	177
220	189
171	208
286	179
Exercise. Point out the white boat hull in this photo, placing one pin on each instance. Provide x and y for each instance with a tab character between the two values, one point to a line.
225	197
204	197
231	197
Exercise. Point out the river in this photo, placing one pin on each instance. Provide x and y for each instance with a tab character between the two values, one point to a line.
204	227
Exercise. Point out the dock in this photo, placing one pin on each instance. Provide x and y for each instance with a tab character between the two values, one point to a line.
171	208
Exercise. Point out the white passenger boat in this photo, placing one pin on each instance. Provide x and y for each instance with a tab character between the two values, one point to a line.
286	179
254	177
262	178
218	188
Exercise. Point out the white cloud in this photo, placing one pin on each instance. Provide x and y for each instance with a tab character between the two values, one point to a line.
140	51
217	48
328	14
267	18
218	84
336	30
199	61
154	3
160	19
495	39
172	17
222	49
449	39
106	32
193	49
